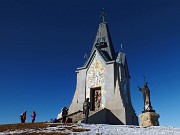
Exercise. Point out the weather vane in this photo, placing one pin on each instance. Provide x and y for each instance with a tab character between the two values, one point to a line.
103	15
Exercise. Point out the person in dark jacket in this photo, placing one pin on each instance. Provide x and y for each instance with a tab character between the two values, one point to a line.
23	117
33	116
64	114
86	107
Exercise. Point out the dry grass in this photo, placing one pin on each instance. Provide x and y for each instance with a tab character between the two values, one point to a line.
80	129
22	126
38	126
42	134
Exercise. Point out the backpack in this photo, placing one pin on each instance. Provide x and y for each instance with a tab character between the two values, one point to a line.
86	105
64	111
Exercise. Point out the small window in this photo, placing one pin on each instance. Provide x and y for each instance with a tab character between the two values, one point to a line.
98	40
103	39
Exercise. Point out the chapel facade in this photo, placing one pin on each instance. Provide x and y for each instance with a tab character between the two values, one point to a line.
105	80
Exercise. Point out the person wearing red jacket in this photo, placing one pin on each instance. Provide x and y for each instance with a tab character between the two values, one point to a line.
23	117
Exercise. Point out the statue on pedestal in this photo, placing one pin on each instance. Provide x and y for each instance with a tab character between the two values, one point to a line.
146	97
148	117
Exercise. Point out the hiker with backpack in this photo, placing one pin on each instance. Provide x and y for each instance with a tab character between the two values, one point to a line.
64	114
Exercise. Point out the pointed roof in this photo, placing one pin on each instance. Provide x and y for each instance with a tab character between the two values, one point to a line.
103	42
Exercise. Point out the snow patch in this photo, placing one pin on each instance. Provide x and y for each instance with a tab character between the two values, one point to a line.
103	129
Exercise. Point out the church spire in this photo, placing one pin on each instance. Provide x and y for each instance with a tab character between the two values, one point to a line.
103	15
103	40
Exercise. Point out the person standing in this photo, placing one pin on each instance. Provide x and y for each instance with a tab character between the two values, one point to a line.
33	116
86	107
64	114
23	117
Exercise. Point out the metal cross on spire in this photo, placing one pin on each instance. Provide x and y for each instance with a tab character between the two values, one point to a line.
103	15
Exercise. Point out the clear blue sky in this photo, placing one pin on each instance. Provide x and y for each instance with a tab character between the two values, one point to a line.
42	42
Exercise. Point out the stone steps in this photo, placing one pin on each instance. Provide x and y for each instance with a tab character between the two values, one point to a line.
78	117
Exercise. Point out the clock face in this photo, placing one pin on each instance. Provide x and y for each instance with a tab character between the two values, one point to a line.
95	76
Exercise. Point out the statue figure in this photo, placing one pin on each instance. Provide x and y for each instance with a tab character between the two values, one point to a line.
146	96
97	99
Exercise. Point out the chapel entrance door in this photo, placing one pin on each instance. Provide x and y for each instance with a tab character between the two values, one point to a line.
95	98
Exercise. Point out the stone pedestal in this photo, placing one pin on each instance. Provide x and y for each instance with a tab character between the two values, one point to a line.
149	119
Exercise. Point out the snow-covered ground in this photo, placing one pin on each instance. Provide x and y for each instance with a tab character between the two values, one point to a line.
103	129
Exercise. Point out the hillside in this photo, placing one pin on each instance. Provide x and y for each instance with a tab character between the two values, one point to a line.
88	129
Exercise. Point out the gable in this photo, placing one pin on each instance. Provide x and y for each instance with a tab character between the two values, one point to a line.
96	76
96	54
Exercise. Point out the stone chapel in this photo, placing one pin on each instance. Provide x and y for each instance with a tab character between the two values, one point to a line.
105	80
